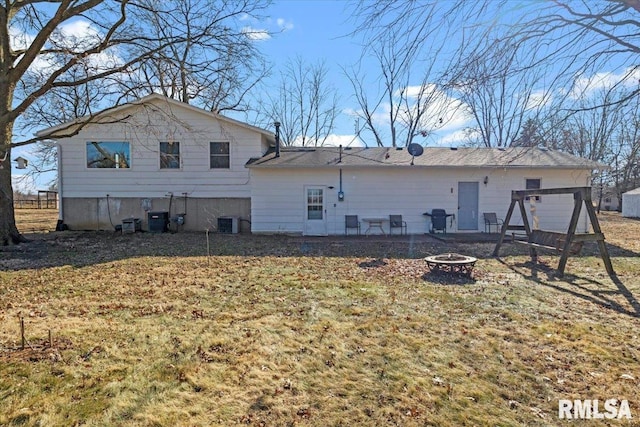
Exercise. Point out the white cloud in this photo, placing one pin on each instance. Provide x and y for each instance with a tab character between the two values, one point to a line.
18	39
76	36
458	137
444	116
283	24
332	140
539	99
419	91
344	140
585	86
256	34
443	112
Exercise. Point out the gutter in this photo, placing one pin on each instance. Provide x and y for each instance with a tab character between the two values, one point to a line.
60	209
253	165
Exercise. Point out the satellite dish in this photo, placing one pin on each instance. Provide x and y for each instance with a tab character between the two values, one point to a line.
415	149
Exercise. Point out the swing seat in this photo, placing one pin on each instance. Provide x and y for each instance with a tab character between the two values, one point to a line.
550	240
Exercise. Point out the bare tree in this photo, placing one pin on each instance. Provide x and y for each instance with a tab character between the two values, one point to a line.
43	63
306	104
214	66
500	90
591	131
625	157
530	135
409	99
530	50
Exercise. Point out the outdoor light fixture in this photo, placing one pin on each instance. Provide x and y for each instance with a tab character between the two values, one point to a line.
486	180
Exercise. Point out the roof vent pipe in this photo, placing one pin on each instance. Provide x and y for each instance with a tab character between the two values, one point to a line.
277	125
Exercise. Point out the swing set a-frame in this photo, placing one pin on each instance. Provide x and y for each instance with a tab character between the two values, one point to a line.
566	244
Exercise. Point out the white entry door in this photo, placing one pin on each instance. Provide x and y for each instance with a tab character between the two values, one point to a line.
315	212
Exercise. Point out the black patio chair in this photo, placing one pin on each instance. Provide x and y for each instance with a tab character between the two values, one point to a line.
490	218
351	222
395	221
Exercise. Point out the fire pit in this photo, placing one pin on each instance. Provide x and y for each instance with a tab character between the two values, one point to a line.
451	263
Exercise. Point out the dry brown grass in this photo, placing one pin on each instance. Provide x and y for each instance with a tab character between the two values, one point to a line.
273	330
30	220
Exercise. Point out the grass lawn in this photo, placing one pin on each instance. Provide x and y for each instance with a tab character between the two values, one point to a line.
152	330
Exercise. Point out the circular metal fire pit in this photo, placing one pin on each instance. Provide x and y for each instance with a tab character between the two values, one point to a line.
451	263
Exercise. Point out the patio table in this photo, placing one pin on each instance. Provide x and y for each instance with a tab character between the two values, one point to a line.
373	223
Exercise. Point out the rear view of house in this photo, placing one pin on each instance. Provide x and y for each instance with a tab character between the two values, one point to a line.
158	162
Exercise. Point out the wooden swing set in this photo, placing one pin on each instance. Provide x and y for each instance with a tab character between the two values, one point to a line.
569	243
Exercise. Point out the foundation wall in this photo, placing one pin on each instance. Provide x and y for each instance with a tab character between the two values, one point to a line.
200	214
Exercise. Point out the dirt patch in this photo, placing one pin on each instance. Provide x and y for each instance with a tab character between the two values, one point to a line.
35	350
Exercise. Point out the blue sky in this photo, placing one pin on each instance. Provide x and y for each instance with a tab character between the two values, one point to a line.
322	31
317	30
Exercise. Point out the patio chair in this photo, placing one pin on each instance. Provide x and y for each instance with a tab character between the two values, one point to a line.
490	218
395	221
351	222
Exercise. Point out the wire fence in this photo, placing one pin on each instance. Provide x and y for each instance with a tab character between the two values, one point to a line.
46	199
35	204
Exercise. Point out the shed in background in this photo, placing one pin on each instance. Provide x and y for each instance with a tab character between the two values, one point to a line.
631	204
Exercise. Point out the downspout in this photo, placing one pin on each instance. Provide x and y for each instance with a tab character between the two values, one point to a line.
60	209
277	125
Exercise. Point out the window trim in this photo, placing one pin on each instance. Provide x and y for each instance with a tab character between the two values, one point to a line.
224	155
128	157
161	153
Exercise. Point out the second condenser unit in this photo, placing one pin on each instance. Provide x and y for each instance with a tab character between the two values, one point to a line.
228	224
158	222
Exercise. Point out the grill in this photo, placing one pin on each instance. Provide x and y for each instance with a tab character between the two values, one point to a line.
438	220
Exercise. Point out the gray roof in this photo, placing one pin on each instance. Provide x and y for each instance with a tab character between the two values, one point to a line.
65	128
515	157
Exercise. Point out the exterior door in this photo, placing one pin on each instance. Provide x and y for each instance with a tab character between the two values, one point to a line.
468	205
315	212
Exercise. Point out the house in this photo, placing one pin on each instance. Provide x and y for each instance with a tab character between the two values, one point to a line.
311	190
156	159
631	204
606	197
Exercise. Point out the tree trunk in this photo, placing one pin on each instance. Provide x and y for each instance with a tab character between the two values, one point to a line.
8	231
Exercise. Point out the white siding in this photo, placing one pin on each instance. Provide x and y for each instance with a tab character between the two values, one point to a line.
631	204
277	197
144	130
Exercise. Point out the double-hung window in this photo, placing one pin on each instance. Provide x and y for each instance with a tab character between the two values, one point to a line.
533	184
170	155
219	155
